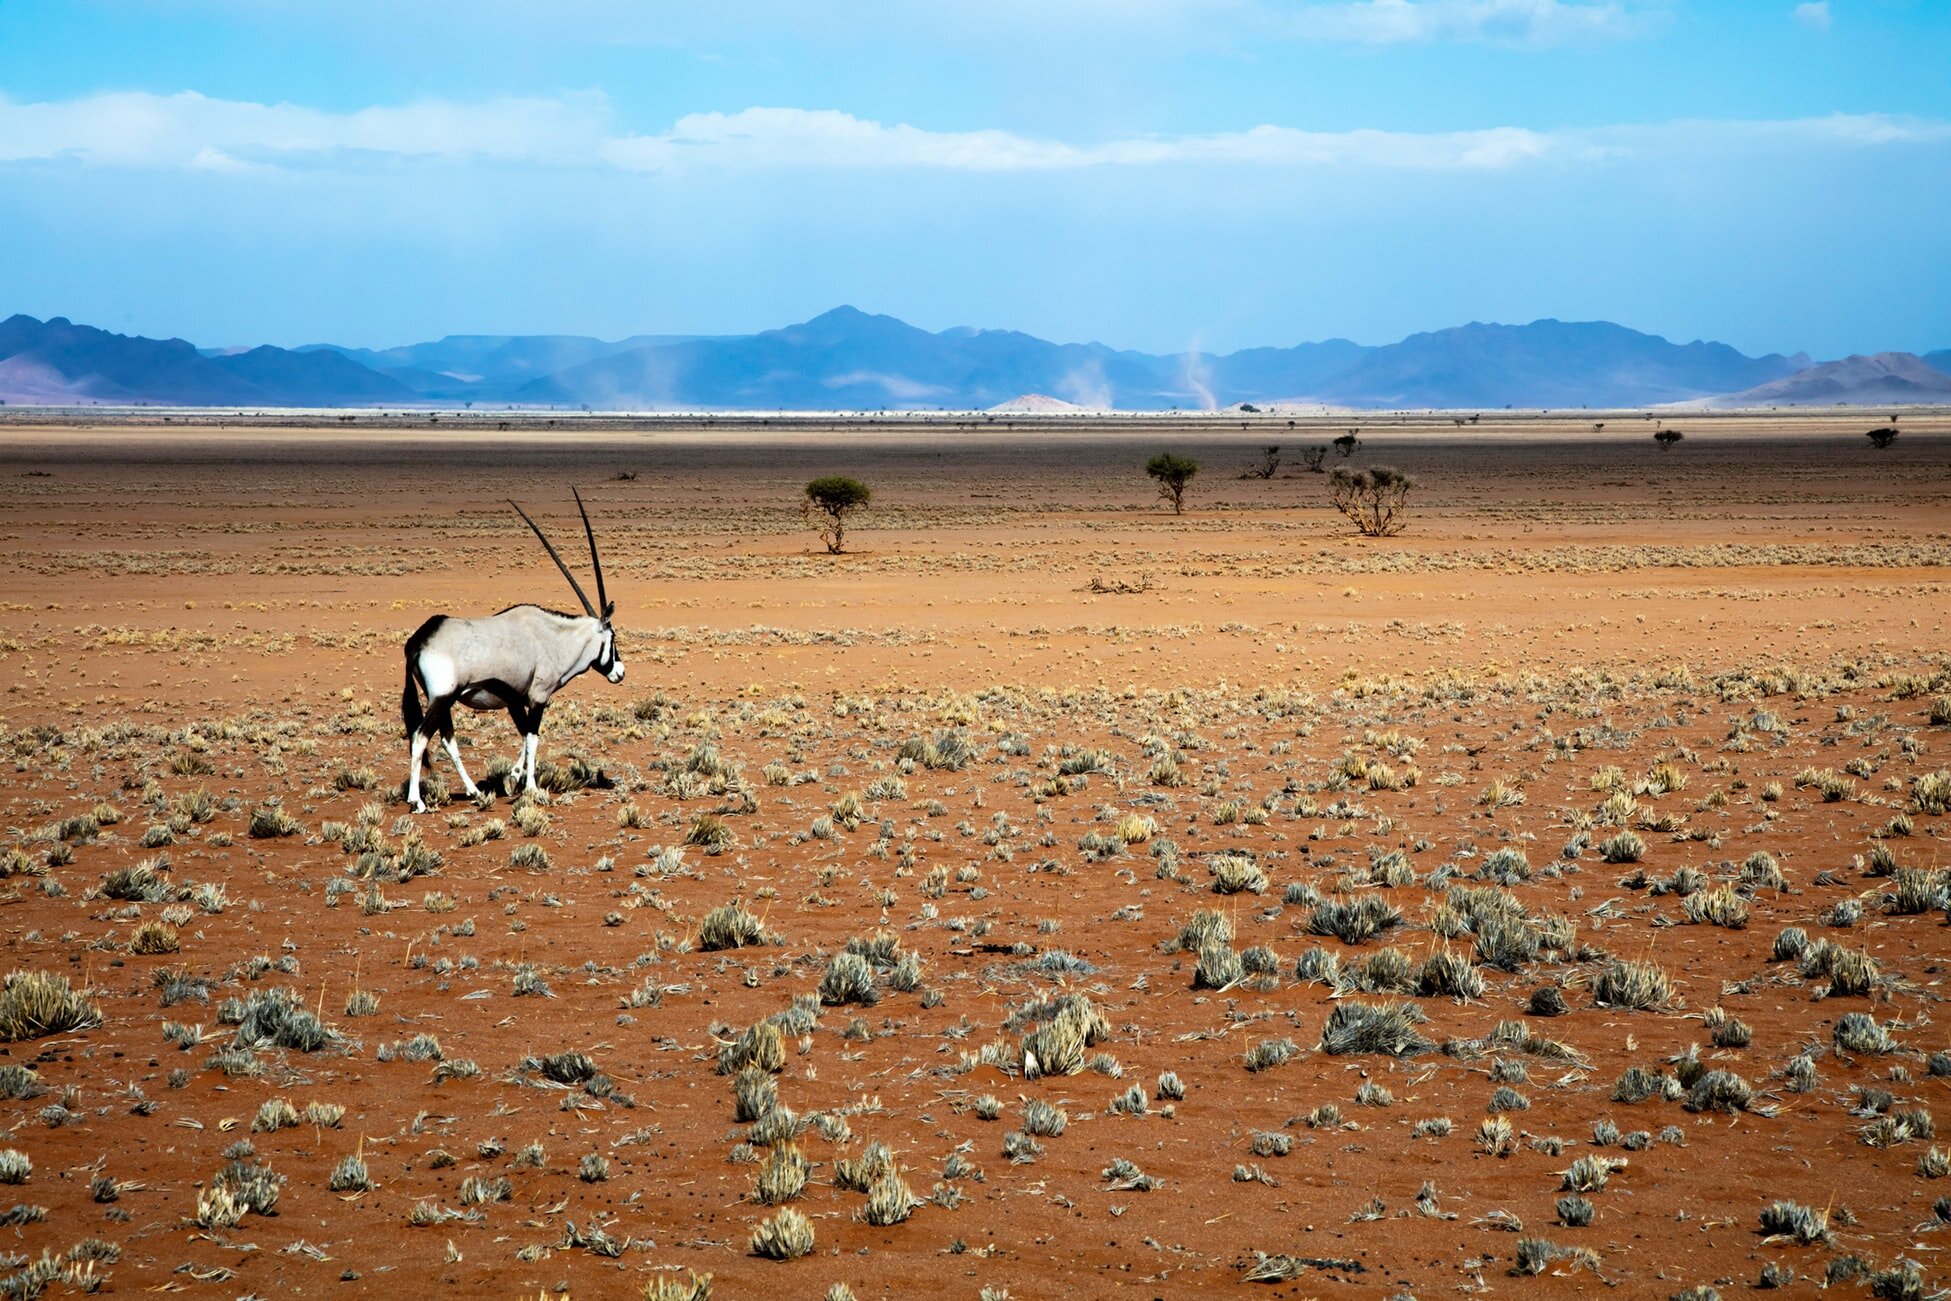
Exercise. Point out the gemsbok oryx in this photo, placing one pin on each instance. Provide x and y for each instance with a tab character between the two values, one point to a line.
515	660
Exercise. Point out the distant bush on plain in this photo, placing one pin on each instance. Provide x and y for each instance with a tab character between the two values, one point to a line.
1374	499
1173	473
831	501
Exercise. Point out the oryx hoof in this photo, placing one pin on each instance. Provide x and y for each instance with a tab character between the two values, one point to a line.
419	806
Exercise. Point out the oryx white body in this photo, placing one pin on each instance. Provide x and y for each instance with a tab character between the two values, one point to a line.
515	660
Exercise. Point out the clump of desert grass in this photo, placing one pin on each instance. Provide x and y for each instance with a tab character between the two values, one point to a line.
1450	974
947	750
788	1235
1850	971
1387	1029
1786	1221
1206	926
270	821
729	926
1634	986
693	1287
1218	967
849	978
1236	873
761	1046
1355	919
1858	1033
34	1004
1722	1091
1065	1028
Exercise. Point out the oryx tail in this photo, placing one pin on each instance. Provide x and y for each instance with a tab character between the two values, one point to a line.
411	713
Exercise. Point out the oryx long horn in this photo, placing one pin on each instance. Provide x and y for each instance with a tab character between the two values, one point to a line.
595	561
558	559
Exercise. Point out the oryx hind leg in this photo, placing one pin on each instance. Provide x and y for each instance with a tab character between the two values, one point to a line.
419	755
444	721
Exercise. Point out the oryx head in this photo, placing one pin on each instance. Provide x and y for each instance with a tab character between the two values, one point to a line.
607	661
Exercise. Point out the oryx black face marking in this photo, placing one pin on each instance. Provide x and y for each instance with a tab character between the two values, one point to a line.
515	660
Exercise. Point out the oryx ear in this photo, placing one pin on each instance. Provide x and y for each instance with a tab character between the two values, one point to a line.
609	608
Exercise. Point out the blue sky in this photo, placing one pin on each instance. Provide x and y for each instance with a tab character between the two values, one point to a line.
1151	173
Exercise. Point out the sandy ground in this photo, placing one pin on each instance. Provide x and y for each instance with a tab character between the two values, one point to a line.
1731	649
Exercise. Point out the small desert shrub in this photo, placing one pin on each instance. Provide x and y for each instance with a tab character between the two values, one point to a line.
710	833
1636	1084
1319	966
761	1047
1264	1144
1505	867
1733	1033
1123	1176
1915	891
1931	792
695	1288
1505	945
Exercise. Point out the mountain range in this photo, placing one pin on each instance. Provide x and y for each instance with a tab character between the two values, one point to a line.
1894	378
847	359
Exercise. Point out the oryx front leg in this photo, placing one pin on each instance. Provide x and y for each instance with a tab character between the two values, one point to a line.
529	746
413	773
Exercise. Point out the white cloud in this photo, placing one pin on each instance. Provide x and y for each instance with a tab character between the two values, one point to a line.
1814	15
191	130
193	133
801	138
1509	22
